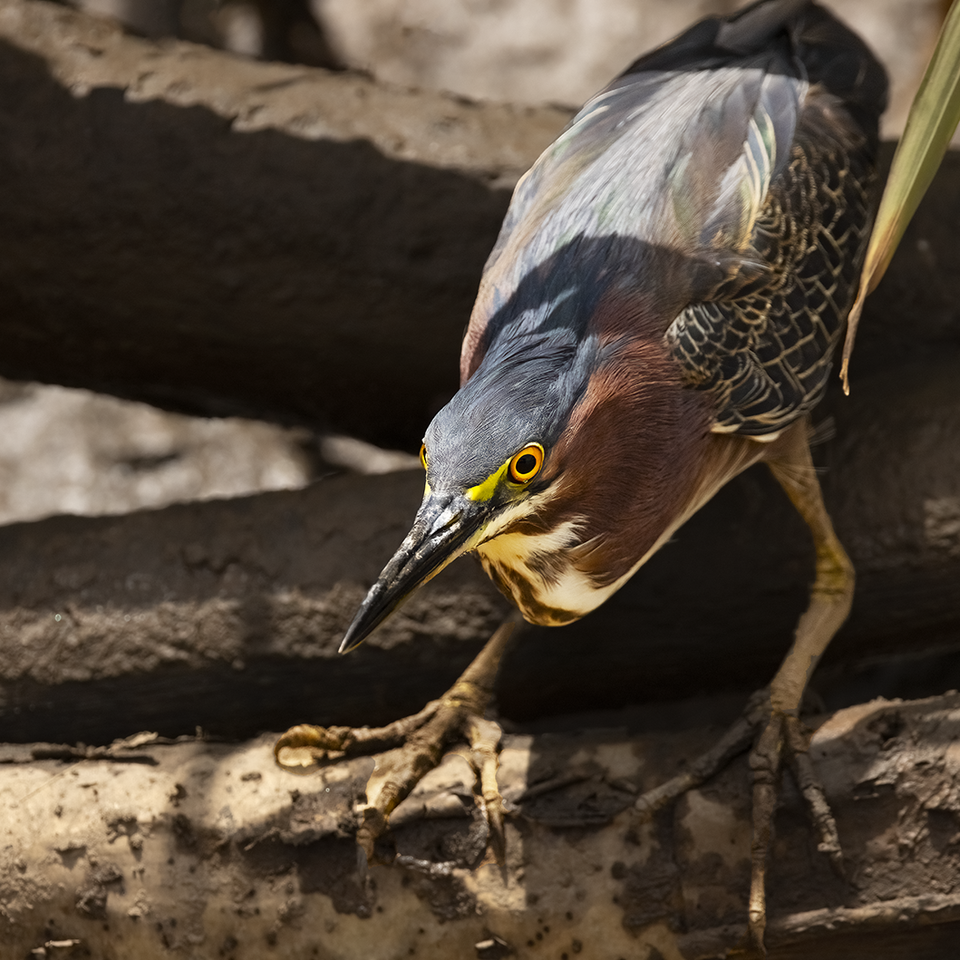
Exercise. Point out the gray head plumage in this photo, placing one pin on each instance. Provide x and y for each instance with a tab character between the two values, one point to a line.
523	392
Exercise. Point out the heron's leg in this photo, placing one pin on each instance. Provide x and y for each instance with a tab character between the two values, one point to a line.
830	600
771	719
413	746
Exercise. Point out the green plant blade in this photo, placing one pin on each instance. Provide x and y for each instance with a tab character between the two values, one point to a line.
930	124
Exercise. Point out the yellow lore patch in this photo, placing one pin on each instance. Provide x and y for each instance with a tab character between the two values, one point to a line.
484	491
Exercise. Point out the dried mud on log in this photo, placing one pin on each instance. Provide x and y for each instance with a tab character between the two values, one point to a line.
202	849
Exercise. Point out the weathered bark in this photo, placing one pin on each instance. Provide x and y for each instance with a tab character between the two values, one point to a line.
228	614
200	849
209	233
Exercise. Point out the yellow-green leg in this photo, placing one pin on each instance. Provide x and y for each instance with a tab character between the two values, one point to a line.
830	600
771	719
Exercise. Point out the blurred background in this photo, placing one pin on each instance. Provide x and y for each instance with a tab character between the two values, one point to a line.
520	51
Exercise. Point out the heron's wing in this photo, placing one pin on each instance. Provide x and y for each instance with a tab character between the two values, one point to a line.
678	154
685	139
732	167
765	348
677	159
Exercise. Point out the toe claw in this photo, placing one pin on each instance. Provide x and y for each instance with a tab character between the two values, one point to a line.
305	745
773	733
411	747
484	737
818	809
756	929
373	823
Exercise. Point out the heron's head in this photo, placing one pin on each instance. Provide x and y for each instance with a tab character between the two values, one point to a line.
557	462
494	456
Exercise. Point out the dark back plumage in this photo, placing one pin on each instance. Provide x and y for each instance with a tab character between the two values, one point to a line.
721	184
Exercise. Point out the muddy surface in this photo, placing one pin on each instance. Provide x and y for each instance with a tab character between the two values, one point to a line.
199	849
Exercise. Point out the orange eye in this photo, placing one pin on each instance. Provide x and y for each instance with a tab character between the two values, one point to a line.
526	464
423	455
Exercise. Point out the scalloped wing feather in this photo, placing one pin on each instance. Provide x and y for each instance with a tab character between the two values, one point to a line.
745	150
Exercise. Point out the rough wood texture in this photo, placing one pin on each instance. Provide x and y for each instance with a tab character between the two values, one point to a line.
220	235
199	230
197	850
228	614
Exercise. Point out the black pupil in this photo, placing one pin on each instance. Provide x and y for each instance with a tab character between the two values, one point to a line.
526	464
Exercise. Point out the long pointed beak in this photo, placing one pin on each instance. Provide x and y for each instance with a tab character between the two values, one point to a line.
444	528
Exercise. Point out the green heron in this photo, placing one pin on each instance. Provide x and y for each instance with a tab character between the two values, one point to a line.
660	311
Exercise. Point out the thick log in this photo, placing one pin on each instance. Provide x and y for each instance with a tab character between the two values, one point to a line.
204	849
219	235
205	232
228	614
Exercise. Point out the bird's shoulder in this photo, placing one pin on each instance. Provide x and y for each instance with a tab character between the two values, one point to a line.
662	166
686	182
763	342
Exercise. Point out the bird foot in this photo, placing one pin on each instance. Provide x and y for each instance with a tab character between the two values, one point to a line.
769	734
409	748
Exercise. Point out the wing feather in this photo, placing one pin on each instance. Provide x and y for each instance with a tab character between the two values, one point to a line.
743	150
